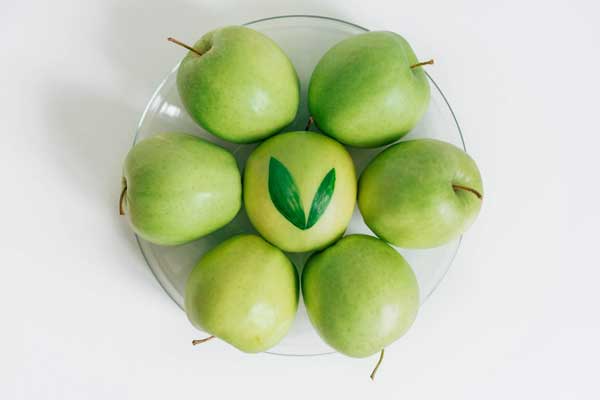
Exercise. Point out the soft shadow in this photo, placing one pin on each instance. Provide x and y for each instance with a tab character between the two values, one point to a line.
136	39
92	134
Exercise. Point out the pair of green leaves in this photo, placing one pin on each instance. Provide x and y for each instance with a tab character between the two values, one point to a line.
286	196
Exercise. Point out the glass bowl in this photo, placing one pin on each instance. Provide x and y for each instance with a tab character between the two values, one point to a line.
305	39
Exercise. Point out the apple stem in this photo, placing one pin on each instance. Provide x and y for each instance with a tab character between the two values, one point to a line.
377	365
309	123
420	64
468	189
122	200
198	341
190	48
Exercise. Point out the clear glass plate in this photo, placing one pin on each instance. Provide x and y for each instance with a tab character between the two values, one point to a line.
305	39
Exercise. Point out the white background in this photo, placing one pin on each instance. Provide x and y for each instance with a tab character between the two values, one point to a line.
516	317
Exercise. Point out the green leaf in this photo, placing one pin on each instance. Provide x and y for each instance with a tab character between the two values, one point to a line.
284	193
321	199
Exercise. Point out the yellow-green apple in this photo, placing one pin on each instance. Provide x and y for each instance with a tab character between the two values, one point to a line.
178	188
368	90
360	295
420	193
238	84
245	292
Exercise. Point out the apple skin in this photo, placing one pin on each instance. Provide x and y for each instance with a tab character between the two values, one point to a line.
364	93
180	188
360	295
245	292
309	156
243	88
406	194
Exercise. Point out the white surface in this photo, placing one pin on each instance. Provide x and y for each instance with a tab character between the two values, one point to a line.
516	317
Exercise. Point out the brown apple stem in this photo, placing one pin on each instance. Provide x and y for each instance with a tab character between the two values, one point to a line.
190	48
309	123
468	189
122	200
198	341
377	365
420	64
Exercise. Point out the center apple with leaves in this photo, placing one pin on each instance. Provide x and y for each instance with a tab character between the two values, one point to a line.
301	200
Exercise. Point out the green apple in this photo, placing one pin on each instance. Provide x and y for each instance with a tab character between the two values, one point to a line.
178	187
420	193
300	190
245	292
239	85
360	295
364	92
